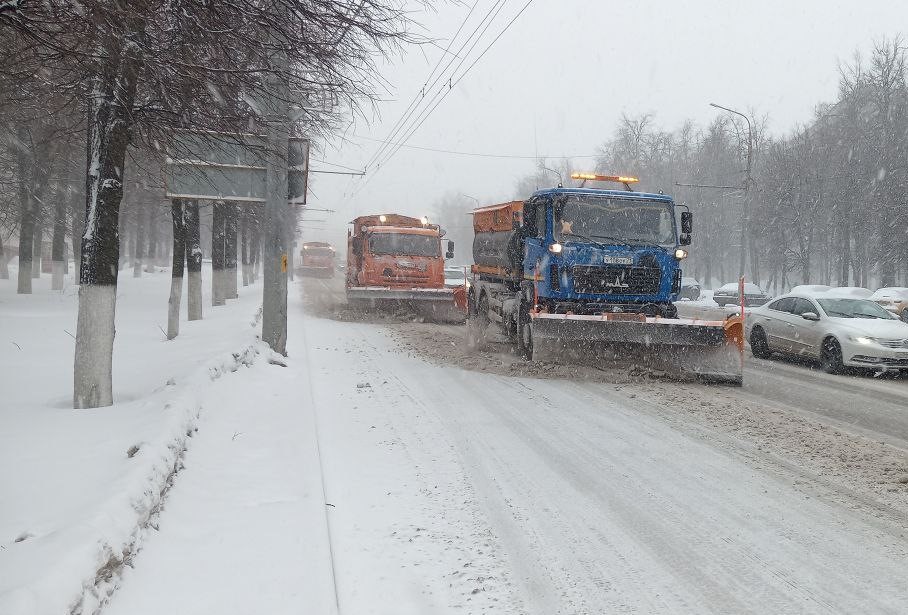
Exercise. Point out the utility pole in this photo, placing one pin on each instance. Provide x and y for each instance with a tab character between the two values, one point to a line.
747	182
276	261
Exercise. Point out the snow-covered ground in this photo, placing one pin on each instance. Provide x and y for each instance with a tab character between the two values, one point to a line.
78	485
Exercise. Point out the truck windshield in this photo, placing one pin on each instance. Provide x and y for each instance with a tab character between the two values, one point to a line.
404	244
318	252
606	219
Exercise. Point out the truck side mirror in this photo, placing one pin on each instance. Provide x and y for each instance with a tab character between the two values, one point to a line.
687	227
357	246
450	253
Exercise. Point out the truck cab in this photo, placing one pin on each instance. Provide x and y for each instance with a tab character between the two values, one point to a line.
317	259
396	252
593	251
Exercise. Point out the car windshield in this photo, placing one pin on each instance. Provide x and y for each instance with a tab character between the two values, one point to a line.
404	244
608	220
854	308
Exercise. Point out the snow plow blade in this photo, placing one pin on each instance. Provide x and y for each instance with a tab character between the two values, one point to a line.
680	347
436	304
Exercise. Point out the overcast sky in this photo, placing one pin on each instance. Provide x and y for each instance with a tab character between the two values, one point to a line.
558	80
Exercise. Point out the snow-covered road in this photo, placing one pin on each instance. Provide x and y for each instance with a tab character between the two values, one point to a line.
374	476
600	504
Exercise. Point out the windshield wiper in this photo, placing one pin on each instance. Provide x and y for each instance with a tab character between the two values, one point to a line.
625	242
589	239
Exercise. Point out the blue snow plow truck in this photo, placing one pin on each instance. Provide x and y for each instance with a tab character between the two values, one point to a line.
592	275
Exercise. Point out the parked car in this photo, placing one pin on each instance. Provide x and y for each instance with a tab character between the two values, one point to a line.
894	299
728	295
837	331
690	289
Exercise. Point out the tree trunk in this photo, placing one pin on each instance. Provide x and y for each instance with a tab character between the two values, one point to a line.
244	244
176	269
193	259
4	269
109	129
138	257
77	228
58	249
230	231
256	253
151	254
38	245
26	221
218	279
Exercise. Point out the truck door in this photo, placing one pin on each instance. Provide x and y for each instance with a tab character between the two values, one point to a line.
534	245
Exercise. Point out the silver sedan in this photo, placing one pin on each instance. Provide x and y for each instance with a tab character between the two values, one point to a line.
837	331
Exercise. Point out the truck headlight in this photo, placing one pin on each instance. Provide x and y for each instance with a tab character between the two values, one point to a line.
680	254
556	248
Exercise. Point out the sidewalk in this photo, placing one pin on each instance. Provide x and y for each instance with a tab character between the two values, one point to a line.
77	486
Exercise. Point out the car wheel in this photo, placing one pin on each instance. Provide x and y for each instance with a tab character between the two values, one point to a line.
831	356
759	346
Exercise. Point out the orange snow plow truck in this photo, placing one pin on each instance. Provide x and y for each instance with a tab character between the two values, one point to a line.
396	261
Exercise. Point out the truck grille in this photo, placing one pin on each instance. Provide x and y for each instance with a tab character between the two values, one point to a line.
616	280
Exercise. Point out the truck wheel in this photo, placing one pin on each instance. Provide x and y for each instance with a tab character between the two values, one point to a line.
524	330
478	324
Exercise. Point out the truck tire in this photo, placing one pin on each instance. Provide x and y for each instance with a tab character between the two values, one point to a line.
478	324
525	327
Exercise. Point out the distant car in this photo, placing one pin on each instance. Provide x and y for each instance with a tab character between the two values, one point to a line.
690	289
454	277
837	331
728	295
894	299
856	292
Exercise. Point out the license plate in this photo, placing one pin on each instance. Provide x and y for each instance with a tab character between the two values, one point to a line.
617	260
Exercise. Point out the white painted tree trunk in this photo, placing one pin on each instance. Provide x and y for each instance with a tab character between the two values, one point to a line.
56	282
93	368
173	307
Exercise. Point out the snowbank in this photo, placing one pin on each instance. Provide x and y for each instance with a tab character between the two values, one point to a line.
79	486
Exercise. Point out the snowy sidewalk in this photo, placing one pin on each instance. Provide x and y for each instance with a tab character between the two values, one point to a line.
246	527
243	528
78	485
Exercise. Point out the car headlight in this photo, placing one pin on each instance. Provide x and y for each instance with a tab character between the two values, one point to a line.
860	339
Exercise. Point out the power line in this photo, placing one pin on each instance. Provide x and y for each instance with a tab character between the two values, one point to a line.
451	82
440	95
416	98
482	154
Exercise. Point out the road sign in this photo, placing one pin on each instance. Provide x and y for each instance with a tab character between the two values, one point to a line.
222	166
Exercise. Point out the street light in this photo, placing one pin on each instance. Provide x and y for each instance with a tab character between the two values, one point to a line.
471	197
747	182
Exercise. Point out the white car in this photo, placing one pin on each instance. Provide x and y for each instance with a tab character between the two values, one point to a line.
837	331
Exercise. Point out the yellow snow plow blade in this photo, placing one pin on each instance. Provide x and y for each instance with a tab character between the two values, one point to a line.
680	347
